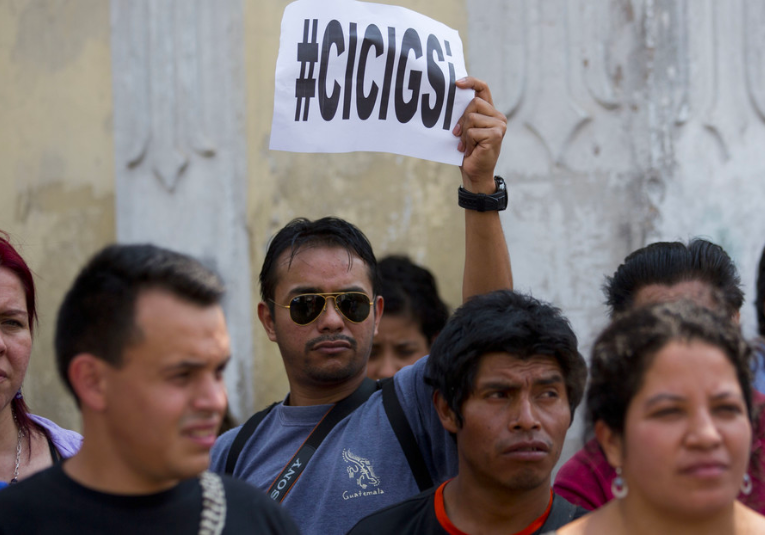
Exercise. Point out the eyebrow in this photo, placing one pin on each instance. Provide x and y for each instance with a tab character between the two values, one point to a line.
658	398
546	380
313	290
193	364
674	397
14	312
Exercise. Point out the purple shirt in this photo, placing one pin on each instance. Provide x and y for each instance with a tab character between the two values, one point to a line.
586	478
66	442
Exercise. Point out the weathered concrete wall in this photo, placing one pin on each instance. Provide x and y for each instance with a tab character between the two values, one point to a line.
180	150
631	121
402	204
56	172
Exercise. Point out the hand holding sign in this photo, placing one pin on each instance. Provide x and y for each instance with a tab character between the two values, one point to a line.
481	129
360	76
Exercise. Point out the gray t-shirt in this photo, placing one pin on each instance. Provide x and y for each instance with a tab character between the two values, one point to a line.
358	469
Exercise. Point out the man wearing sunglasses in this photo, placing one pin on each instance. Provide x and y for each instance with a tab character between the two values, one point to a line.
334	450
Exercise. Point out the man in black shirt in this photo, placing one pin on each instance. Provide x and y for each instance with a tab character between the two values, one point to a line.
507	377
141	342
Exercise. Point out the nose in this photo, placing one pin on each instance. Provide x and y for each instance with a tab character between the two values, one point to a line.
702	431
526	417
331	320
211	395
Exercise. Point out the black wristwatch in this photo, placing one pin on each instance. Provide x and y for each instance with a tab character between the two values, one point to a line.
482	202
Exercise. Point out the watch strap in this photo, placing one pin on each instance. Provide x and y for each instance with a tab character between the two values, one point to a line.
482	202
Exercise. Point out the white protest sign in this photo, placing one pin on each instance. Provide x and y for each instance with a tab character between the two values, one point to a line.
355	76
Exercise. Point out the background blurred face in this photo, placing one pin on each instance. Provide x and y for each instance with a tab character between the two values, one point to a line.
687	435
399	342
331	349
515	422
165	403
15	336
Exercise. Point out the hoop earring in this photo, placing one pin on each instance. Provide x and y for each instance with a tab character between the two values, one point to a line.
619	487
746	485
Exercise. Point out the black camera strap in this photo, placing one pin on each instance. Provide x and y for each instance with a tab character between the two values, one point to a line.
393	410
294	468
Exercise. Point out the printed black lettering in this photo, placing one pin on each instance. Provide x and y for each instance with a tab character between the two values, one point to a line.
452	90
389	62
333	35
366	103
349	72
307	55
405	110
436	79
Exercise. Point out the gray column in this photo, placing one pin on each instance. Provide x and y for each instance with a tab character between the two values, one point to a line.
181	160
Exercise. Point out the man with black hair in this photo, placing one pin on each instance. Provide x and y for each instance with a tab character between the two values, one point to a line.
667	271
506	377
141	342
337	448
414	315
661	272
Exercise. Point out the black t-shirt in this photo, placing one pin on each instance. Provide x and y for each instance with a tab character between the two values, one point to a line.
419	515
50	502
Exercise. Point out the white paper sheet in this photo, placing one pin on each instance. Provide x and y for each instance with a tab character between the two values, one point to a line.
343	83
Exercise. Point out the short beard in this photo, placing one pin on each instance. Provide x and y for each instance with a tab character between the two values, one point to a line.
328	375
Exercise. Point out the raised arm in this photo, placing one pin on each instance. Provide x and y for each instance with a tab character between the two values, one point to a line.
481	130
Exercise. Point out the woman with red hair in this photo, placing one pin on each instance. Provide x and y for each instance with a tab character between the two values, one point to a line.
28	443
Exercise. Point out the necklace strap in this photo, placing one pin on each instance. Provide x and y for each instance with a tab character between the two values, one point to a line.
213	518
15	478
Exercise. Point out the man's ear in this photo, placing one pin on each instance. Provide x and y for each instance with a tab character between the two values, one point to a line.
378	310
445	414
264	314
611	442
88	379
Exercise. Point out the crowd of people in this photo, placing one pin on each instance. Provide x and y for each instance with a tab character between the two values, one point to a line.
374	436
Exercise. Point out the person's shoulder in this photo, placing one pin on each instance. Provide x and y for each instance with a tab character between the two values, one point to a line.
750	520
251	509
241	490
563	512
67	442
36	486
393	518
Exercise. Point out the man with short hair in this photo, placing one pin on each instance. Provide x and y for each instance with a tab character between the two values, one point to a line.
141	342
332	450
666	271
506	377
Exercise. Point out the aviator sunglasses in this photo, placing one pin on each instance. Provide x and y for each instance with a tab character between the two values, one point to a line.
306	308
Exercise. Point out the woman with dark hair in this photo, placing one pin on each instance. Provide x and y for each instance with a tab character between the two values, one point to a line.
28	443
670	398
413	316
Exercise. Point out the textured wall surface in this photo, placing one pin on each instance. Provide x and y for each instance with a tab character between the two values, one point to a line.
180	150
56	171
402	204
630	122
